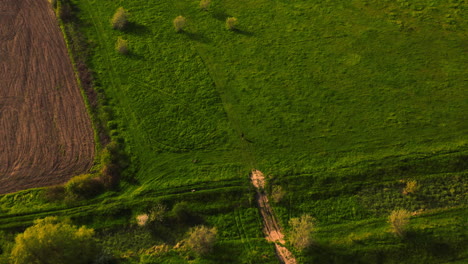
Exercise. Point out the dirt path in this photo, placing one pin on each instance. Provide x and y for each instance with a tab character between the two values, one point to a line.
45	131
270	226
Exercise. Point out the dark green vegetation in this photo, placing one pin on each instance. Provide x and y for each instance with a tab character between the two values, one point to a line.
338	100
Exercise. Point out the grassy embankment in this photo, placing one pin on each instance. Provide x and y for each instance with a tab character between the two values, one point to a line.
338	101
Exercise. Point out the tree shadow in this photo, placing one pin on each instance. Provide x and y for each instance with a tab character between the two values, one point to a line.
243	32
220	15
197	37
136	29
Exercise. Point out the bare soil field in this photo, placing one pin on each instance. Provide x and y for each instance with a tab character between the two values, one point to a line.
45	131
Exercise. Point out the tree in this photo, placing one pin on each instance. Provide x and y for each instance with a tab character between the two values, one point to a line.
50	241
121	45
277	193
179	23
231	23
204	4
399	220
119	20
201	239
301	231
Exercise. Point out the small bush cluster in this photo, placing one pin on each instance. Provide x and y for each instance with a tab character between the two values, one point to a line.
301	231
201	239
205	4
277	193
231	23
411	187
179	23
399	220
120	19
84	186
121	46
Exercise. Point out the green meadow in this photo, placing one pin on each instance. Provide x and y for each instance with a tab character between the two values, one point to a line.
338	102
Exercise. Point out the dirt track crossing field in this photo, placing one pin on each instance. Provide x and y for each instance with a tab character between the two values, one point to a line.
45	132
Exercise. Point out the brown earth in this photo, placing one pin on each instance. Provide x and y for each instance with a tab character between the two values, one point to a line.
271	228
45	132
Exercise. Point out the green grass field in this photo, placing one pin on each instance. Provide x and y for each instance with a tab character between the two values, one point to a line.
337	100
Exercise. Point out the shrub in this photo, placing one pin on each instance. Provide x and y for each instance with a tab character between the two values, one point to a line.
182	212
119	20
277	193
158	213
204	4
301	231
231	23
399	220
411	187
65	12
179	23
54	193
121	46
52	241
84	186
201	239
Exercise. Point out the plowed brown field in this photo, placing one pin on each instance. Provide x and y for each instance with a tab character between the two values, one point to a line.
45	132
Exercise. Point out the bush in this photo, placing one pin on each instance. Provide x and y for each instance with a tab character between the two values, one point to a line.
201	239
204	4
179	23
182	213
84	186
52	241
54	193
411	187
301	231
119	20
65	12
231	23
277	193
121	46
399	220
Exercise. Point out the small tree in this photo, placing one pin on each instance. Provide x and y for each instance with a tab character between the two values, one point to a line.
120	19
231	23
399	220
53	241
277	193
201	239
84	186
179	23
121	46
301	231
204	4
411	187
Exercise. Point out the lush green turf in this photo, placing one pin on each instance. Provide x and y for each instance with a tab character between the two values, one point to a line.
337	100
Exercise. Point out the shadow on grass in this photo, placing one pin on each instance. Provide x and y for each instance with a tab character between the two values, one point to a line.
220	15
197	37
243	32
136	29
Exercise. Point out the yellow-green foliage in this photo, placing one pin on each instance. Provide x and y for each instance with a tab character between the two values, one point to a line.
411	187
53	241
201	239
277	193
179	23
121	46
204	4
399	220
119	20
301	231
231	23
84	186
